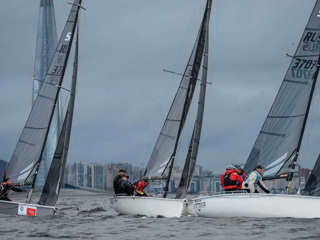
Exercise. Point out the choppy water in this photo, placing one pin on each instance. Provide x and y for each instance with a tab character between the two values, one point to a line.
84	215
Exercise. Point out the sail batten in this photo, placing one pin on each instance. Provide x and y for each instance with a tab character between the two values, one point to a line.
283	129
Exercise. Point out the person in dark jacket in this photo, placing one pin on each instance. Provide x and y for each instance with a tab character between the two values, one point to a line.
116	186
126	186
6	186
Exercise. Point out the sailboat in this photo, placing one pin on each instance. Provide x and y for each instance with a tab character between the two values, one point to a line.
278	143
26	158
160	165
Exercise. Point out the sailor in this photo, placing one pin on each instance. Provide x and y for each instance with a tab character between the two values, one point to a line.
140	186
6	186
242	175
254	179
116	186
231	180
126	186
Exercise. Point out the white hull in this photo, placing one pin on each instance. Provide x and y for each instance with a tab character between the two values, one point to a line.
16	208
148	206
257	205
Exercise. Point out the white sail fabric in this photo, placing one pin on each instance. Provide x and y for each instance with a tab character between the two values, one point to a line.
279	139
29	148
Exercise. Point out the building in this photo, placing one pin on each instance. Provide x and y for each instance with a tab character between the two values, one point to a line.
45	47
96	176
79	173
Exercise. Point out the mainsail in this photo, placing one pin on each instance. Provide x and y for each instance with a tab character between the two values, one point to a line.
191	159
165	148
50	192
27	154
278	143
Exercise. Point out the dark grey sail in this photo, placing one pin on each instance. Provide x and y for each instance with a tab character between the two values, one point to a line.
191	159
51	190
164	150
312	187
27	154
278	142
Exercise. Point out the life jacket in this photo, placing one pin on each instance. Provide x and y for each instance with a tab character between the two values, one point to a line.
257	180
140	187
231	180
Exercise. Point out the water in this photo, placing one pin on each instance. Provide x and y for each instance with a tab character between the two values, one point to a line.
85	215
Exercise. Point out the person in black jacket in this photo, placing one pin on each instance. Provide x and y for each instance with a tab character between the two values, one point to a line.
6	186
116	185
126	186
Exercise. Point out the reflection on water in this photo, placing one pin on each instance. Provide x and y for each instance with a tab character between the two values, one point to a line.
85	215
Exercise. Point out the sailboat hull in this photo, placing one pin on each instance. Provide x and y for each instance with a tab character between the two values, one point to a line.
148	206
16	208
257	205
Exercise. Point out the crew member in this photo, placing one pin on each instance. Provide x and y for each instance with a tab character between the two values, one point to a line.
242	175
126	186
254	179
230	180
6	186
116	186
140	188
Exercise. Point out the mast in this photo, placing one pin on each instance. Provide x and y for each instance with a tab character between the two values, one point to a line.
58	71
191	158
52	186
190	91
294	163
278	143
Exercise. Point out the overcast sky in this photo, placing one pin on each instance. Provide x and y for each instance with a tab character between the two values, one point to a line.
123	94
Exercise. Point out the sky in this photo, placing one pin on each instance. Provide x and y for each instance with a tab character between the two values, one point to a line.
123	95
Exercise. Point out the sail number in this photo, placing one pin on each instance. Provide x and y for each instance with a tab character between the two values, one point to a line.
57	70
303	69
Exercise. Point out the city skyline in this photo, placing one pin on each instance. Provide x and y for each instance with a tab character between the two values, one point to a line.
123	95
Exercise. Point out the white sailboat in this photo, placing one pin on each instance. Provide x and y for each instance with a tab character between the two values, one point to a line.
161	162
278	143
26	158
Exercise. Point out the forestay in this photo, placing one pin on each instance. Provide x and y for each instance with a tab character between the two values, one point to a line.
279	140
29	148
191	159
167	141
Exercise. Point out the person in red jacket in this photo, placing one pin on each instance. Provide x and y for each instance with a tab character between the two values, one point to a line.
231	180
140	186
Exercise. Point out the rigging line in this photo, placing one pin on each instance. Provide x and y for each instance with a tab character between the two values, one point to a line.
314	113
37	123
303	60
180	74
55	85
278	139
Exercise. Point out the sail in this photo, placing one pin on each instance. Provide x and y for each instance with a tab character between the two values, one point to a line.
278	142
172	127
29	148
312	187
50	192
191	159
